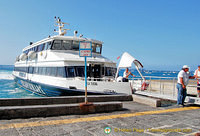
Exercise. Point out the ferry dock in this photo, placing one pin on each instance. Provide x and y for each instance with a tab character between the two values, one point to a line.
127	117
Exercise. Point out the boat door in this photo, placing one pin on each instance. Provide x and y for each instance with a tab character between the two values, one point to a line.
94	71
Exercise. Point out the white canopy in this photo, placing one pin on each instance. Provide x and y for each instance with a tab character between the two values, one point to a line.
127	60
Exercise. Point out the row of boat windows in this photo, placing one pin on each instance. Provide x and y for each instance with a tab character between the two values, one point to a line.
73	45
63	45
53	71
41	47
67	71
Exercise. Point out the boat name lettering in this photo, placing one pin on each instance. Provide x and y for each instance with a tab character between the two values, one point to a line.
92	83
33	87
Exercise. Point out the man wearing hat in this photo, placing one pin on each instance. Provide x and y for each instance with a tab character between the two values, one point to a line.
197	76
183	80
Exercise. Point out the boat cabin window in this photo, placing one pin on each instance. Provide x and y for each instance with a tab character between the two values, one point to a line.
75	45
67	45
26	51
57	45
96	48
21	69
41	70
48	45
48	71
80	71
53	71
35	70
109	71
36	48
61	72
41	47
30	70
70	71
95	71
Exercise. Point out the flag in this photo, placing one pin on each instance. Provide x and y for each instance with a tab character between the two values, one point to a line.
118	57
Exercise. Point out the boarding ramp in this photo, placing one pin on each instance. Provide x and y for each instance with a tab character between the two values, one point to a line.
164	88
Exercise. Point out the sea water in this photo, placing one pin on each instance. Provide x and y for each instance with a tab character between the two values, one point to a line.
9	89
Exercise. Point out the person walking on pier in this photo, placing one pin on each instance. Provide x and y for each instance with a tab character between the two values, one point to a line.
197	76
183	80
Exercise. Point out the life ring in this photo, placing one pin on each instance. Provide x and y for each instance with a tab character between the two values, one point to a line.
32	55
144	86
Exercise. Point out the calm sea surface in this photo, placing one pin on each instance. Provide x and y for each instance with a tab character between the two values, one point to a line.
8	88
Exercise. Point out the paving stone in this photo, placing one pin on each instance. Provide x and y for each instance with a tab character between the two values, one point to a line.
91	125
52	130
27	132
9	132
69	127
81	132
167	122
193	122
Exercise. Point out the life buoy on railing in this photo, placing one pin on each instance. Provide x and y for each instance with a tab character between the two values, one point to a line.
144	86
23	56
32	55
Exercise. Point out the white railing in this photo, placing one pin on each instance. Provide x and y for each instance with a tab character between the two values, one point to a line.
96	79
157	85
166	86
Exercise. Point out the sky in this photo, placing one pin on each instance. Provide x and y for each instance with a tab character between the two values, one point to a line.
161	34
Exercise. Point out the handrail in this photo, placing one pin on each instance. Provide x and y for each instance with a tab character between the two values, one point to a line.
160	77
96	79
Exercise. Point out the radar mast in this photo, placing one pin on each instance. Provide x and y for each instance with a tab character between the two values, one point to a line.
60	26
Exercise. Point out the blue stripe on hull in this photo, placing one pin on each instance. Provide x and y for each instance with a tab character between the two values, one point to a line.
47	90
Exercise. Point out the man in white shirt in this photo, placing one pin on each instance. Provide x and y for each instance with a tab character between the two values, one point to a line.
126	74
183	80
197	76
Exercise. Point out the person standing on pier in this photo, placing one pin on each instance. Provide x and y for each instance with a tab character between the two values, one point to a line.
183	80
126	74
197	76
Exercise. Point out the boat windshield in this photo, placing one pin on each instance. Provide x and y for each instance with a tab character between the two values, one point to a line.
73	45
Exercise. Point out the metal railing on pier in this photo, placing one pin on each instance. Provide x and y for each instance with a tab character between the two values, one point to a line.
164	87
156	85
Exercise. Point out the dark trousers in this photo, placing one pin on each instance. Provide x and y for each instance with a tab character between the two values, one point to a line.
125	80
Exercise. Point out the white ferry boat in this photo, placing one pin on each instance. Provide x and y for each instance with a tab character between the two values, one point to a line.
52	67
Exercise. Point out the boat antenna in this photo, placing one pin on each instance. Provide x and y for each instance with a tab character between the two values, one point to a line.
60	26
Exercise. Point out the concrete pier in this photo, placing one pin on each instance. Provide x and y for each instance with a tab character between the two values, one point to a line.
147	100
56	106
10	112
135	120
62	100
